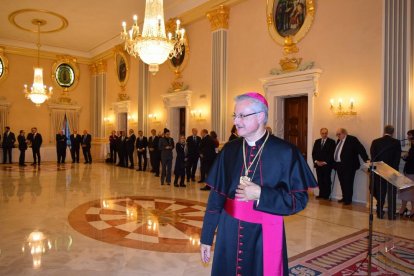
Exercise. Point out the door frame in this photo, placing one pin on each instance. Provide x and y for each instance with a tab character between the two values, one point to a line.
295	84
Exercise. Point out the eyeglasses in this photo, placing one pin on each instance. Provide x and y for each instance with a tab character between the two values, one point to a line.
242	116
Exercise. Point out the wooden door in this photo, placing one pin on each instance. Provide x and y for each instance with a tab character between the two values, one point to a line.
296	122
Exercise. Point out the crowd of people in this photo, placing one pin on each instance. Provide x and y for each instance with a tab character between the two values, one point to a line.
161	146
343	155
34	140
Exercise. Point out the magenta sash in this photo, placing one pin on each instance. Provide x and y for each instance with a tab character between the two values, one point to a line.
272	226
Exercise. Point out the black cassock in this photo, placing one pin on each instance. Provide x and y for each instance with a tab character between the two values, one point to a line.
284	177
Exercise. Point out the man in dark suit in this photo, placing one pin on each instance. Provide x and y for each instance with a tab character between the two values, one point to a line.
153	151
61	147
130	147
86	147
22	147
142	144
193	154
388	150
75	142
346	153
113	140
322	155
8	143
35	140
207	156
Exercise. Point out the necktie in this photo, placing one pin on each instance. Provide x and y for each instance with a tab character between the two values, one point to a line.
323	143
336	155
194	138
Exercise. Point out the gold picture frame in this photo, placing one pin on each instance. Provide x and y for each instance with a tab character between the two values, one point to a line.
121	67
288	21
65	73
4	65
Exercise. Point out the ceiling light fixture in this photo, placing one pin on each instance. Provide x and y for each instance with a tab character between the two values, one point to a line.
152	45
38	93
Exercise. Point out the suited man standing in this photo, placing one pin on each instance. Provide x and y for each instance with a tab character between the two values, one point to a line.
36	141
130	147
322	155
166	146
75	143
388	150
8	143
141	145
86	147
22	147
193	154
207	156
61	147
346	153
154	152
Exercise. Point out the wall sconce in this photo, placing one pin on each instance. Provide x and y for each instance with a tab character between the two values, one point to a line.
154	117
107	120
132	118
341	110
197	114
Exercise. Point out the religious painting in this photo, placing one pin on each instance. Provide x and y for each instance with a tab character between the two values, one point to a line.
3	65
289	18
121	67
65	73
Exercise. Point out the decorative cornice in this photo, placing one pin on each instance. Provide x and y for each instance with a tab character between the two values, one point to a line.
98	67
219	18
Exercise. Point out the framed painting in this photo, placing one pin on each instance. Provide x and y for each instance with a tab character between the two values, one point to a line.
289	18
122	67
4	66
65	73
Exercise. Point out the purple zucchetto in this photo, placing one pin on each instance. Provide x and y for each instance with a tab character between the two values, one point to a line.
258	97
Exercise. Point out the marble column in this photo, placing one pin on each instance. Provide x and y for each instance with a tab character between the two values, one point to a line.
143	92
98	97
219	20
398	66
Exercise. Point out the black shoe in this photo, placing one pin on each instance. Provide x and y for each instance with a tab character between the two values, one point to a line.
183	185
341	200
201	181
404	213
157	175
205	188
319	197
392	217
168	184
176	185
85	162
347	202
73	161
22	165
162	184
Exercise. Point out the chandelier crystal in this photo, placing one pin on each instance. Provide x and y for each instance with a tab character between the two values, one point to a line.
38	92
153	46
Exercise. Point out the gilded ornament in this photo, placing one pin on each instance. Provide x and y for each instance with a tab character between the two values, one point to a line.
219	18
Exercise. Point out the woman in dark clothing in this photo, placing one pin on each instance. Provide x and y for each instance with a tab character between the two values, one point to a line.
233	133
166	146
213	136
409	172
22	147
179	169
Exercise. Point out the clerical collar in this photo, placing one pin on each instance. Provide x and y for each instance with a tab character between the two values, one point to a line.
259	141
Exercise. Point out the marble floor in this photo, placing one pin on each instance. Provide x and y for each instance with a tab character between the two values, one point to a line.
101	219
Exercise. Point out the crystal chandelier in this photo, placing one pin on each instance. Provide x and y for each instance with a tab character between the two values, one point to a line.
38	93
153	46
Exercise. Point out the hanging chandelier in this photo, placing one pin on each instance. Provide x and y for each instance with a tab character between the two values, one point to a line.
38	93
153	46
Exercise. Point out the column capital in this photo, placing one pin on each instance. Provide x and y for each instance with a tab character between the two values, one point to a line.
219	18
98	67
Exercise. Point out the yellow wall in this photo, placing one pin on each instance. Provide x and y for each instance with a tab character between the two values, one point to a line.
344	41
23	114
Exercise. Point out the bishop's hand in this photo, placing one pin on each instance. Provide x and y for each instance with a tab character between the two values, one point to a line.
205	251
247	190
